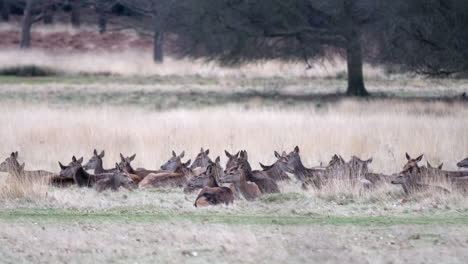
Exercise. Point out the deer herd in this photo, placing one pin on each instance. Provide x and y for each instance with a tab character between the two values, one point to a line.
216	185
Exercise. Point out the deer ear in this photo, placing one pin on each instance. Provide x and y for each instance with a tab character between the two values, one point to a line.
95	152
277	155
418	159
369	160
296	149
122	157
227	154
117	166
102	154
186	164
428	164
62	166
217	160
440	166
182	154
132	157
207	152
201	150
237	154
174	154
80	160
261	165
73	159
407	156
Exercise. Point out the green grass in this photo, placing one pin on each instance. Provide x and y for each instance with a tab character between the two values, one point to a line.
126	215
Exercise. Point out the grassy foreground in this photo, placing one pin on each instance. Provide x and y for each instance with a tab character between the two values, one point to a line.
57	215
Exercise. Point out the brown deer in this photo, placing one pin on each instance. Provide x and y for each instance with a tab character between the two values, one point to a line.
95	163
411	183
12	166
82	178
127	167
274	171
412	165
260	178
292	163
202	160
463	163
212	193
238	176
114	182
204	179
174	174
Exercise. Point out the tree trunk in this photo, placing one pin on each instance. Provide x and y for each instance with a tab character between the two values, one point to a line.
49	14
158	43
354	61
75	17
27	24
5	10
102	18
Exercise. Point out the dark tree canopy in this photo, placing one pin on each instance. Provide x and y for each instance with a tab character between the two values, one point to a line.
428	36
236	31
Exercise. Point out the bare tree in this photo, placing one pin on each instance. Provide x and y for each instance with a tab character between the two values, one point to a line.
243	30
75	13
158	13
33	11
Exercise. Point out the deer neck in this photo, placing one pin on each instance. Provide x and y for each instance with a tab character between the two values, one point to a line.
212	182
99	169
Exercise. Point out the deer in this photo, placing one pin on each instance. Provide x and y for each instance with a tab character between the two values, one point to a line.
238	175
463	163
95	163
292	163
114	182
202	160
274	171
13	167
174	174
76	172
127	167
411	184
212	193
429	172
260	178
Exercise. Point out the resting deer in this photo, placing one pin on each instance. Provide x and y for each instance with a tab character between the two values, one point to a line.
202	160
430	173
463	163
260	178
274	171
292	163
114	182
238	176
205	179
12	166
95	163
174	174
76	172
410	181
127	167
212	193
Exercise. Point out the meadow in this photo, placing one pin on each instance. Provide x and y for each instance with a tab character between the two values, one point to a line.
261	108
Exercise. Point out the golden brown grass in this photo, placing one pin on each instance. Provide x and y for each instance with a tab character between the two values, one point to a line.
45	135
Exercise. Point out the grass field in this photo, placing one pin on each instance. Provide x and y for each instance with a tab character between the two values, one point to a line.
49	119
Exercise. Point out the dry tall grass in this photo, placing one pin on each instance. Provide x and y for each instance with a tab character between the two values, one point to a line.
45	135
